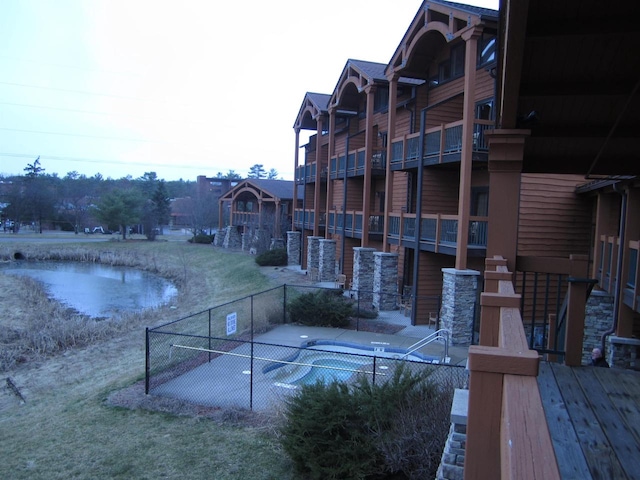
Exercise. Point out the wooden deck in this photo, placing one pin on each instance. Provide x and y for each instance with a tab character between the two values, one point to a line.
593	416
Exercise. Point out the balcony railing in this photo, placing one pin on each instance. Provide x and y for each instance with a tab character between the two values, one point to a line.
507	432
245	218
355	163
352	221
437	230
308	173
442	144
306	218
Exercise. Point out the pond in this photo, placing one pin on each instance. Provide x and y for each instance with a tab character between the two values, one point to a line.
94	289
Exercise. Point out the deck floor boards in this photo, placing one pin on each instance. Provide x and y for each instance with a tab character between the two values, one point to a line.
594	418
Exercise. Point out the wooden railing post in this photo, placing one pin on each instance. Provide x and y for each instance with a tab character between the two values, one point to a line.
576	299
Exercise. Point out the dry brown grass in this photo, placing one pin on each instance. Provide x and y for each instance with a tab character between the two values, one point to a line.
66	429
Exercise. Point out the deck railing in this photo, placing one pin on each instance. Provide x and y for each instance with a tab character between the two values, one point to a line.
437	229
442	144
507	432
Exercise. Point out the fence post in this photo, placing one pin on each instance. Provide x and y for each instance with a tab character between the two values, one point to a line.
146	361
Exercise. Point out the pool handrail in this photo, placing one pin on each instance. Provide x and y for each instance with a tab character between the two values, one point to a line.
442	334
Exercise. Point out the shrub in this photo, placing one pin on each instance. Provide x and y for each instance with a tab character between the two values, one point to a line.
324	308
201	238
275	258
363	431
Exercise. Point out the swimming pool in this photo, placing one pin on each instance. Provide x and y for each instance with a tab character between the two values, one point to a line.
329	360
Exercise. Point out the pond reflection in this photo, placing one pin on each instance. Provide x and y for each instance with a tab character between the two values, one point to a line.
94	289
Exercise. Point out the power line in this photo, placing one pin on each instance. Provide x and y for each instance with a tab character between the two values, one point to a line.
93	112
13	84
101	161
101	137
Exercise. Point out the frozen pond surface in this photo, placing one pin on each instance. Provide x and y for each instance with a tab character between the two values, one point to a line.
94	289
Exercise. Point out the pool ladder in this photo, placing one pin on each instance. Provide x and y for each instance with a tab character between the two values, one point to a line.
442	334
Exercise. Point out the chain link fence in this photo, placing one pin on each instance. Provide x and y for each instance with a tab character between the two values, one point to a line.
213	358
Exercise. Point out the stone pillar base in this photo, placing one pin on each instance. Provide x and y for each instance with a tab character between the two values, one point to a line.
327	260
459	304
623	353
293	248
385	276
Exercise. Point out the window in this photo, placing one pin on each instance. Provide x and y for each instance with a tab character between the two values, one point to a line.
480	201
381	99
484	110
487	48
453	67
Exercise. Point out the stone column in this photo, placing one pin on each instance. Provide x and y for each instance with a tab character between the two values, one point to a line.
385	277
459	303
452	462
313	254
293	248
623	352
327	260
363	267
232	238
598	319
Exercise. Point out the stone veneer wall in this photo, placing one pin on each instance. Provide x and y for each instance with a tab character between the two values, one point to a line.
598	319
313	253
363	269
293	248
232	238
327	260
459	298
624	353
385	277
452	462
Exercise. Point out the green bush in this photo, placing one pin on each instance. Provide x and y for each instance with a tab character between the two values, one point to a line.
366	431
273	258
324	308
201	238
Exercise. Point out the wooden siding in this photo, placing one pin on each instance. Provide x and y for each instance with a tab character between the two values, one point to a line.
554	221
308	196
448	112
354	194
485	85
403	122
338	194
430	273
440	192
446	90
399	186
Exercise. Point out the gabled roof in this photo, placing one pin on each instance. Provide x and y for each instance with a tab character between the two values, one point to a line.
435	23
480	11
269	189
364	73
314	104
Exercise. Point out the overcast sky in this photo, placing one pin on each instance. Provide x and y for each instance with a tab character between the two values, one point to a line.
181	88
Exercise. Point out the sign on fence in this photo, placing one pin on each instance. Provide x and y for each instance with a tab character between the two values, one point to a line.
232	320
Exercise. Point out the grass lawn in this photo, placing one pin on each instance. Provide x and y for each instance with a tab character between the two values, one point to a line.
66	429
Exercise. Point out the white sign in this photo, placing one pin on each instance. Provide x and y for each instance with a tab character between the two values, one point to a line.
232	320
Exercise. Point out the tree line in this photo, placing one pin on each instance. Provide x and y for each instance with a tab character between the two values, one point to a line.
76	202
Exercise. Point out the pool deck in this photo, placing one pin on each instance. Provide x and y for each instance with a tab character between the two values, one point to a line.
236	381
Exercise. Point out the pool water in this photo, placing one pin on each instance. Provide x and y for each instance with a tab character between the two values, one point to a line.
328	370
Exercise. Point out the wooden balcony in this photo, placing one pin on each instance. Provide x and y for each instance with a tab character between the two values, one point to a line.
306	218
442	144
308	173
245	218
439	233
355	164
531	420
350	223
